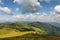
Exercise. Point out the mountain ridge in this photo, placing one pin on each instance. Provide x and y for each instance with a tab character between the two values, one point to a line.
50	29
32	27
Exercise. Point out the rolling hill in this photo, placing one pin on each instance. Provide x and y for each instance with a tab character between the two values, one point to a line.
17	29
48	28
31	36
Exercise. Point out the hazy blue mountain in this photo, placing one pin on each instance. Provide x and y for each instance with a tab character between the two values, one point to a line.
55	24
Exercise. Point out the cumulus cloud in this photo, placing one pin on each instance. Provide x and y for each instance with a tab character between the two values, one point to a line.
5	9
33	17
44	17
56	13
57	8
29	6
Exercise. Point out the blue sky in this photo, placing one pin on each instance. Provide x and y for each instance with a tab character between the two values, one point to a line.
46	6
28	10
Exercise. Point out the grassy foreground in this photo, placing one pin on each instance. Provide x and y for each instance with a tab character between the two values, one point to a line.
13	34
32	36
21	31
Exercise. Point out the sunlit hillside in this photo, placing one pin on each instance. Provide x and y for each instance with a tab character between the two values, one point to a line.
28	31
17	29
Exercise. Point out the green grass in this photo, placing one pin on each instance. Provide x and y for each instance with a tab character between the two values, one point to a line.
32	36
22	31
17	29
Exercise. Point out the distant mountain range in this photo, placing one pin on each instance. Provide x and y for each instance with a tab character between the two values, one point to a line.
55	24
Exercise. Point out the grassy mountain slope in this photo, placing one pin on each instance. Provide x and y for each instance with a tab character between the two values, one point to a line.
48	28
31	36
17	29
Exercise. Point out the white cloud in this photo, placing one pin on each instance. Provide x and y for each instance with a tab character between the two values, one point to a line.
17	1
57	8
29	17
5	9
18	16
55	14
34	17
17	9
29	5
